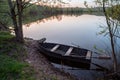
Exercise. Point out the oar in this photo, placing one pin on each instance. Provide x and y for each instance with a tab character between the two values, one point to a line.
97	69
100	68
103	68
103	57
97	57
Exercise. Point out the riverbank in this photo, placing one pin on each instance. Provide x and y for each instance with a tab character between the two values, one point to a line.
44	70
24	62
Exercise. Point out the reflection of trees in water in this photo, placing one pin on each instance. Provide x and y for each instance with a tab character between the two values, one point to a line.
27	25
58	16
82	13
45	13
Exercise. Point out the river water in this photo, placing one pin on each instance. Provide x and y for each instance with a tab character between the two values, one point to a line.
78	30
74	30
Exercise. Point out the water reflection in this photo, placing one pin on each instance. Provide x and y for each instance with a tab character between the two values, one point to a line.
70	29
80	30
59	16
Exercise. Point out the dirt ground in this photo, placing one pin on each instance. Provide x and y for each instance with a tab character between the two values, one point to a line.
44	70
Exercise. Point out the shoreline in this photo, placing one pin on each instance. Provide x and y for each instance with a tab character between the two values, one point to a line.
43	68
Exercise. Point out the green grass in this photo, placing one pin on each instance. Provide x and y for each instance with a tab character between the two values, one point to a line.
12	66
5	36
5	45
4	17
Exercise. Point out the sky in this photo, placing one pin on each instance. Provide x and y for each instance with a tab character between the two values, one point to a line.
79	3
75	3
80	0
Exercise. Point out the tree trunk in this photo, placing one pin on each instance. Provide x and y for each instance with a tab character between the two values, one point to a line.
17	22
111	38
19	7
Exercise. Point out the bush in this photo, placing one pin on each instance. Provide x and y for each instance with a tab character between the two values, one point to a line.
4	35
6	43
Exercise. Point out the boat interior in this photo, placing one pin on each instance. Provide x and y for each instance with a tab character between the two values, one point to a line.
66	50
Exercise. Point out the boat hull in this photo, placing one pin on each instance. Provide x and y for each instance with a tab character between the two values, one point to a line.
71	61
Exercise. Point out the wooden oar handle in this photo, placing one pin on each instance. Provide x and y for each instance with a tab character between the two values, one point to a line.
104	57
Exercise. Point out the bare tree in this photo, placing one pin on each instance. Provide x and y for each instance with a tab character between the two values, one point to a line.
111	12
16	11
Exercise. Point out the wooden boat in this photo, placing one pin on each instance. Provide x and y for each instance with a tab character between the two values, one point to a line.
66	55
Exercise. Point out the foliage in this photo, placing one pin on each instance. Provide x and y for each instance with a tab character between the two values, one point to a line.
114	12
36	12
31	14
4	35
5	45
4	15
111	11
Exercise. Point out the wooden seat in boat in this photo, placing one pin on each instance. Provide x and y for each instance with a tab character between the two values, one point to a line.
88	55
55	47
69	51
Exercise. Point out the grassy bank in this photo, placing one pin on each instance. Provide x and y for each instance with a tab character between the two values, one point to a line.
24	62
12	66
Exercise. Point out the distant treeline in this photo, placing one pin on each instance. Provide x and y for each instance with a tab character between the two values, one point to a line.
67	10
36	12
